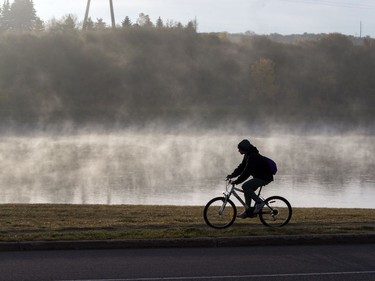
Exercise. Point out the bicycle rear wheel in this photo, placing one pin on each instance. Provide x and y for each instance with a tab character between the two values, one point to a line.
276	212
220	212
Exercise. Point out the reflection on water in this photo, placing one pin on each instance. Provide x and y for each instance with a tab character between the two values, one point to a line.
181	170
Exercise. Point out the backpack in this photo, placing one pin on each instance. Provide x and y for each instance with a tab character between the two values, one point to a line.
271	164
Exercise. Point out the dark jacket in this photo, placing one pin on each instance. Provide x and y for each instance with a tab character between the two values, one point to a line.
253	164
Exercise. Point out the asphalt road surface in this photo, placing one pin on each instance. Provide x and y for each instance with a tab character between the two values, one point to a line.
308	262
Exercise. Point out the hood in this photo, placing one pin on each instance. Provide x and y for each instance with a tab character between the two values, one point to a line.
246	146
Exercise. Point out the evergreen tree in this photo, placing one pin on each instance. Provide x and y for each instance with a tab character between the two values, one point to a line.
126	22
192	26
159	23
5	16
89	24
39	25
22	16
100	24
1	18
69	22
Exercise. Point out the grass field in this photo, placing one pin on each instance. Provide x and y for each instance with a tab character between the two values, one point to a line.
103	222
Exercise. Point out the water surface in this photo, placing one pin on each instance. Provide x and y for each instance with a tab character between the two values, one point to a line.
140	168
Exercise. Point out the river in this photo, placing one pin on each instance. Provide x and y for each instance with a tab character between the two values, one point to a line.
168	169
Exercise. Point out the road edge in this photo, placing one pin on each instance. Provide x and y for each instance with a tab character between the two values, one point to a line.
244	241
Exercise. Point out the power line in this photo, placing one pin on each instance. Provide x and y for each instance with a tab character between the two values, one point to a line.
340	4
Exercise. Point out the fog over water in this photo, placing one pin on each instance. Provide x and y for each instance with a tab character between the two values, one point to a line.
181	169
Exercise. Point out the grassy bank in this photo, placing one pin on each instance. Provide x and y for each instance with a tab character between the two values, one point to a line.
91	222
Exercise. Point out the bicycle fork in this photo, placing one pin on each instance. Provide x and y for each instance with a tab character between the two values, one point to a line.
225	201
226	198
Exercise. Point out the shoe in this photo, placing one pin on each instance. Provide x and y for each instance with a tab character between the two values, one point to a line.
258	207
248	213
243	215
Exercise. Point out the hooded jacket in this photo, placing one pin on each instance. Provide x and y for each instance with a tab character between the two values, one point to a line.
253	164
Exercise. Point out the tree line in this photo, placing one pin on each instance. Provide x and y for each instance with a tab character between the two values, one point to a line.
130	77
21	16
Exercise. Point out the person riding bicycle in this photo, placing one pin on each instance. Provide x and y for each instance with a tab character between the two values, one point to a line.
253	164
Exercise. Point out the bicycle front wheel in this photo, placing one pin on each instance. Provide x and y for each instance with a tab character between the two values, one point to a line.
220	212
276	212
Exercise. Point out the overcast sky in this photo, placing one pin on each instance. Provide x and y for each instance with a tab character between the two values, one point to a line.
233	16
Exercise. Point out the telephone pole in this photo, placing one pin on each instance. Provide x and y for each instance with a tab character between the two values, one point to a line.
88	10
112	14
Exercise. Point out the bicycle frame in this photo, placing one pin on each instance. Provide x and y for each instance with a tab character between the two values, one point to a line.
231	189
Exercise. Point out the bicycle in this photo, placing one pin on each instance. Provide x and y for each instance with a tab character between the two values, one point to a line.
221	212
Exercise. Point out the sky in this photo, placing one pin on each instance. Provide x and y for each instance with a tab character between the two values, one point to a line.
349	17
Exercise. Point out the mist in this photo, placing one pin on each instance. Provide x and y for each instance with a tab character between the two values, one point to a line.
149	168
153	116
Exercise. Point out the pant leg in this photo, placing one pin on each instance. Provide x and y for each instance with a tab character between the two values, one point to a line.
249	188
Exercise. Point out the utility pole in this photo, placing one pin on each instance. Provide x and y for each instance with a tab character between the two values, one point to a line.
88	10
112	14
86	15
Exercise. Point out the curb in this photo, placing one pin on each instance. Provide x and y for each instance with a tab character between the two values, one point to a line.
315	239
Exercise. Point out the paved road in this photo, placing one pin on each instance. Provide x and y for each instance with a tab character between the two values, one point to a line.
306	262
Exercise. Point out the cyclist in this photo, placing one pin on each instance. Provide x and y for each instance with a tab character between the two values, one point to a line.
253	165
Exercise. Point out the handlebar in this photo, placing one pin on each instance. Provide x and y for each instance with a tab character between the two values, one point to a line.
230	181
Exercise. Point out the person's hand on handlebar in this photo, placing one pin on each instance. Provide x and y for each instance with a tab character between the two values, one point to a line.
229	179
